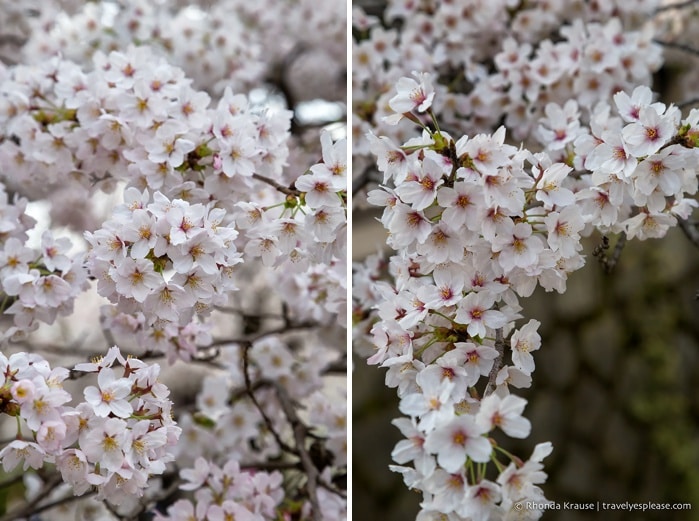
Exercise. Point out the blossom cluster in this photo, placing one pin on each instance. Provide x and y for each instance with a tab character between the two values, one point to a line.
240	53
232	419
227	423
36	284
135	118
477	224
510	76
168	259
227	492
131	124
204	190
640	164
304	236
112	442
177	341
165	263
330	418
129	121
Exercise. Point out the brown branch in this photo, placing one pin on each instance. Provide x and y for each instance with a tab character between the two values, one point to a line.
107	333
678	46
150	502
332	488
368	176
250	340
34	508
281	188
251	393
690	230
62	501
611	262
300	432
271	465
245	314
13	39
497	364
686	103
339	366
237	394
11	481
278	78
679	5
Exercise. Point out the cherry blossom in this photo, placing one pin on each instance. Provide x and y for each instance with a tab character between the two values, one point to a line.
173	175
412	94
442	311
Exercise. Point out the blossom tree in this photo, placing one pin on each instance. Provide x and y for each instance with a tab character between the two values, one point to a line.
494	137
169	165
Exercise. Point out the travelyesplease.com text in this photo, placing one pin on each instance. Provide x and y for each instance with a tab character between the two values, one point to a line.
600	505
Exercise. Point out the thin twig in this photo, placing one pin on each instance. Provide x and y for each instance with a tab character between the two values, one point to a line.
11	481
107	334
271	465
679	46
300	431
246	314
366	177
33	508
611	262
339	366
332	488
253	397
690	230
250	340
687	103
679	5
62	501
237	394
156	498
271	182
497	364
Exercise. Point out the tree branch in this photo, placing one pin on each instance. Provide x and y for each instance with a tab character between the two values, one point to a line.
679	46
245	314
679	5
497	364
332	488
253	339
300	432
13	39
281	188
339	366
271	465
251	393
365	178
690	230
12	481
611	262
33	508
151	502
688	102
